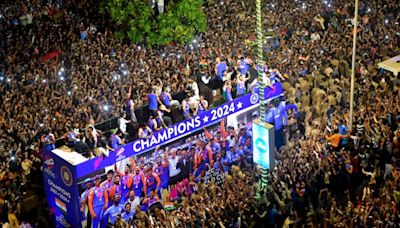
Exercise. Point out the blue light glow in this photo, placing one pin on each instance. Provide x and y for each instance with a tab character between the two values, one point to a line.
261	146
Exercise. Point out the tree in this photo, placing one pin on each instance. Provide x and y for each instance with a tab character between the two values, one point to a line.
136	21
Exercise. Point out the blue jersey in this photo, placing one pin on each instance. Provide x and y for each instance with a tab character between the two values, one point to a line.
165	99
278	119
228	94
186	109
243	67
129	104
242	140
240	88
216	147
137	185
98	196
163	173
151	183
153	102
221	67
342	129
145	133
114	141
127	216
226	162
272	77
235	156
110	215
152	124
126	186
83	35
269	118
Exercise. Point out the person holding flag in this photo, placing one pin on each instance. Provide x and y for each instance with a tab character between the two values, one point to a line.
98	202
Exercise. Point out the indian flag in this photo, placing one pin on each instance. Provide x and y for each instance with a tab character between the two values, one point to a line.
61	206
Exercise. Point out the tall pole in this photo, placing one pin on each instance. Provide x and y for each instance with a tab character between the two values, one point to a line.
260	64
260	59
353	63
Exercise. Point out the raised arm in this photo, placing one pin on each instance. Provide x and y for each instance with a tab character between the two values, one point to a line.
210	155
279	75
117	171
222	128
207	133
166	157
144	184
128	95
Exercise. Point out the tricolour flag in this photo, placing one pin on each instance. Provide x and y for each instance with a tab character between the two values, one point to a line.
61	206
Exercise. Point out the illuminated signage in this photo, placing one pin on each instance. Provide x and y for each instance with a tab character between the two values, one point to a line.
263	144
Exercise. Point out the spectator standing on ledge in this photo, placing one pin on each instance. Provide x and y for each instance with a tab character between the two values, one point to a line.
130	107
153	102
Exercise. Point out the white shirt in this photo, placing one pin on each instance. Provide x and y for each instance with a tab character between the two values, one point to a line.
87	133
29	18
122	124
205	79
231	140
315	37
172	162
134	203
195	89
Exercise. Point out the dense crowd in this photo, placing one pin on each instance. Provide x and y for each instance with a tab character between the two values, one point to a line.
62	69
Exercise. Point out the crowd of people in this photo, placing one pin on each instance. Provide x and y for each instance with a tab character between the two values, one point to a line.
61	69
151	191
